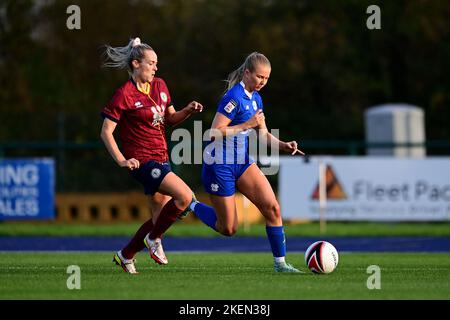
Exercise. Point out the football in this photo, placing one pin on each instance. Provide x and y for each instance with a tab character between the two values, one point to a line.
321	257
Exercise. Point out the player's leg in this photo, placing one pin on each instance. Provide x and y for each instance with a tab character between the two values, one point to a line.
219	183
254	185
205	213
181	196
157	202
125	257
136	244
150	175
226	213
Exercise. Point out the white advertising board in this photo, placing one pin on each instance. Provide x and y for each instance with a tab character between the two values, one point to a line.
366	188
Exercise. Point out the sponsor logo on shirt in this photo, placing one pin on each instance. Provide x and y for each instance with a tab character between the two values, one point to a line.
138	104
255	106
230	106
158	115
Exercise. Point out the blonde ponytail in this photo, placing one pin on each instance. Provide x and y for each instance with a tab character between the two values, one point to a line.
121	57
250	63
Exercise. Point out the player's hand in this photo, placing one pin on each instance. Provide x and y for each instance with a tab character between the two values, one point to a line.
195	107
257	120
292	147
130	164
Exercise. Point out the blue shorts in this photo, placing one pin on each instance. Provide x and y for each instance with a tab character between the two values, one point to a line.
220	179
151	174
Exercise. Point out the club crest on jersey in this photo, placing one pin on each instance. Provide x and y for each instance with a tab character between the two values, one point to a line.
230	106
138	104
255	106
156	173
163	96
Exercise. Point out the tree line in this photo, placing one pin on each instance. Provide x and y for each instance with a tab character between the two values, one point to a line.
327	66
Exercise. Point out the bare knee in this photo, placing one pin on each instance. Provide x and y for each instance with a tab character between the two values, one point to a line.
272	212
183	200
228	231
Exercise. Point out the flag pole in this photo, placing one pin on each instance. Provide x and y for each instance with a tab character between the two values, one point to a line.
322	197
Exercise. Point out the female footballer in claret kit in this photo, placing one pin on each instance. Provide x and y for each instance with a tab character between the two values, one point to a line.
142	107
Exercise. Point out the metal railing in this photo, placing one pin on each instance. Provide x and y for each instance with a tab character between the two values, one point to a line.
352	147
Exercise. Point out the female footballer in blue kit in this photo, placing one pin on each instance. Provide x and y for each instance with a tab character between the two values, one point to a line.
224	172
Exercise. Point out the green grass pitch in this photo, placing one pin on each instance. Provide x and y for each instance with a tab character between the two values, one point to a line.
211	276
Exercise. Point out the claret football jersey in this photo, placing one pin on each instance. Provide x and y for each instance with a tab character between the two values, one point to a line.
140	119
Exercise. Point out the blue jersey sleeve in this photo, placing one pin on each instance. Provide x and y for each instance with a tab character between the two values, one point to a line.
228	106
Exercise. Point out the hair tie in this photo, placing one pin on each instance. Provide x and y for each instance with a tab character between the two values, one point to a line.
136	42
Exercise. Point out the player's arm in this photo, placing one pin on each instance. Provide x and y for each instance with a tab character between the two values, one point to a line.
174	118
288	147
221	127
107	136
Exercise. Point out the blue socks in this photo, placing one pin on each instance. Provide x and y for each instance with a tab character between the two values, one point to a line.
275	235
206	214
277	240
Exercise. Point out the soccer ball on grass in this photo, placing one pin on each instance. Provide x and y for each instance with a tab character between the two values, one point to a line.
321	257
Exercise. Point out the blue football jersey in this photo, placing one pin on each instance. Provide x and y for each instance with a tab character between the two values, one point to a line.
238	105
